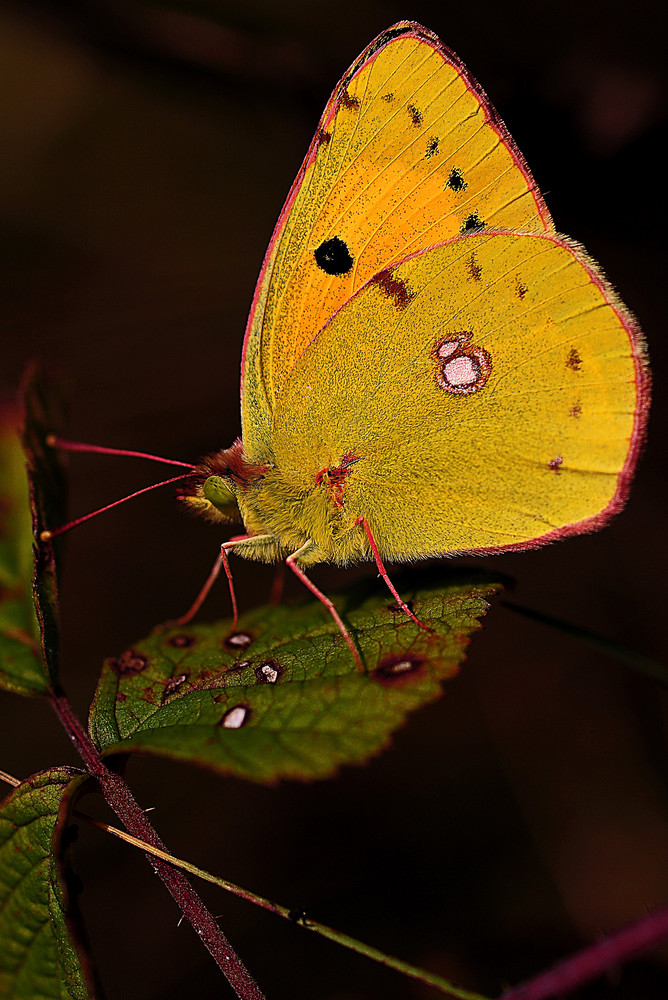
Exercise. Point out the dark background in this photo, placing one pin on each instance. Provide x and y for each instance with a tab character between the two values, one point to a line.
146	150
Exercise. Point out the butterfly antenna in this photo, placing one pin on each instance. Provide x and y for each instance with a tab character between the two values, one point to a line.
55	442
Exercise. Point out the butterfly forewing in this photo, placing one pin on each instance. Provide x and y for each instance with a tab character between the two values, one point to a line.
408	153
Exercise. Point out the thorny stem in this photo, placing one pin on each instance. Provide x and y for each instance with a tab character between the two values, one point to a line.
120	799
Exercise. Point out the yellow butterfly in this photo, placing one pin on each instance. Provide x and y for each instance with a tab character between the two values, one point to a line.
429	368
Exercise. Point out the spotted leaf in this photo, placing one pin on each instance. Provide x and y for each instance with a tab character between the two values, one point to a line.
281	696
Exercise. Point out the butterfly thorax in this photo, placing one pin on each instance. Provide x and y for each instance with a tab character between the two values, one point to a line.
286	507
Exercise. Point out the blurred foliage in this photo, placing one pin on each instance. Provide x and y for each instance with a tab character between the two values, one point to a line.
40	955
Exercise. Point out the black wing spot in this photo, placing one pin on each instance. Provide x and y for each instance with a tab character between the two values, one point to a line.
456	180
333	256
416	115
472	223
432	147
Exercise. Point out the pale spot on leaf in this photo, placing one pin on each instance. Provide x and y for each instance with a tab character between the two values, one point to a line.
235	718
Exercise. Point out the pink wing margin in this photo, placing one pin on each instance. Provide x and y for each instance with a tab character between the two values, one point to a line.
402	29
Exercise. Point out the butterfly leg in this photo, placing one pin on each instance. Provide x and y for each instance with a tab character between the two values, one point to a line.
221	561
299	572
384	574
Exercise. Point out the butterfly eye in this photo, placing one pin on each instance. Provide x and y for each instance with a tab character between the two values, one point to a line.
333	256
219	492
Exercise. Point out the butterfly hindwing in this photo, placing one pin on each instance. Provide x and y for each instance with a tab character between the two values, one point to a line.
482	394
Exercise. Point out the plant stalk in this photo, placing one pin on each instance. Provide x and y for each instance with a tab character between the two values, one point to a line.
596	959
119	797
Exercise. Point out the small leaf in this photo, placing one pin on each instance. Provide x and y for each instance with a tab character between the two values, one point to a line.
40	958
43	416
21	664
282	696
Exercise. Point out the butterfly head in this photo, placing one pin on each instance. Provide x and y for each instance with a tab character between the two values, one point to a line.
214	486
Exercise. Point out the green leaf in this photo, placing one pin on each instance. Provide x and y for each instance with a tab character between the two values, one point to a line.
21	664
282	696
43	416
40	958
